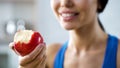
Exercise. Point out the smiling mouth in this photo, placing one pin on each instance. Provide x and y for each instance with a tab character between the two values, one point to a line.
69	16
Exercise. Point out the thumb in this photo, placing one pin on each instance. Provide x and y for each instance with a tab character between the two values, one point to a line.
11	45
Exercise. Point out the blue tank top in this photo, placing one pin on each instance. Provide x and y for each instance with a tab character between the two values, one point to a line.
110	57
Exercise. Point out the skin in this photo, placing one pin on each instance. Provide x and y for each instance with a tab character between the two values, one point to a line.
87	41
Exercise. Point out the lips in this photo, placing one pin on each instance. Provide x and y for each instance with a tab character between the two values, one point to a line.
68	15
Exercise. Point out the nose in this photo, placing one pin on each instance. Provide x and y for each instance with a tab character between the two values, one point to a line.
66	3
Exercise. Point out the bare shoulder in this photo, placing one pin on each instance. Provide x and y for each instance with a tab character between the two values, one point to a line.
51	52
118	56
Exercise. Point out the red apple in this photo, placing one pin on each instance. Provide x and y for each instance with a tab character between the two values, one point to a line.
26	41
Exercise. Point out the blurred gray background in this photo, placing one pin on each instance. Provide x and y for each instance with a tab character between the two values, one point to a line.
37	15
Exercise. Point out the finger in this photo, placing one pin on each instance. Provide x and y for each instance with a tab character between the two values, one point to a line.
11	45
29	58
39	48
37	59
41	56
42	63
43	60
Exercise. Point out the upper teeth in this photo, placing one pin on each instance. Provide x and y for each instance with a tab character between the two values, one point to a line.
67	14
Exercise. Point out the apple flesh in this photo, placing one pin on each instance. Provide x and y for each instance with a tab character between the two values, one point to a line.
26	41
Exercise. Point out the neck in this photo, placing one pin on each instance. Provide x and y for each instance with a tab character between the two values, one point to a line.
87	37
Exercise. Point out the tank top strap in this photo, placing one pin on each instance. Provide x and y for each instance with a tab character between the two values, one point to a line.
110	57
59	59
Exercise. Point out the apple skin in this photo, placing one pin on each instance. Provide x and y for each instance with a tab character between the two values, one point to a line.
26	48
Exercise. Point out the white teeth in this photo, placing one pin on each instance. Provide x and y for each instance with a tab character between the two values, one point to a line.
67	14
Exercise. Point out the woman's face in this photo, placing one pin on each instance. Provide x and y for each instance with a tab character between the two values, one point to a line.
73	14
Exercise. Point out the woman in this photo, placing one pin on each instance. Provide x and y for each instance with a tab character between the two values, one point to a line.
88	45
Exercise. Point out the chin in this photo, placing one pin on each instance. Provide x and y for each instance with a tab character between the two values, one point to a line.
68	27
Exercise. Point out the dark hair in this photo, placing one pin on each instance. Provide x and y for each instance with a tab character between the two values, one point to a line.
102	27
102	4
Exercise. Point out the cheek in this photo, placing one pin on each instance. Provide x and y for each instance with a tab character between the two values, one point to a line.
82	4
54	5
89	7
85	5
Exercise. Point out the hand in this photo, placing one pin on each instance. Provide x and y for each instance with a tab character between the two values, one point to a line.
36	59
